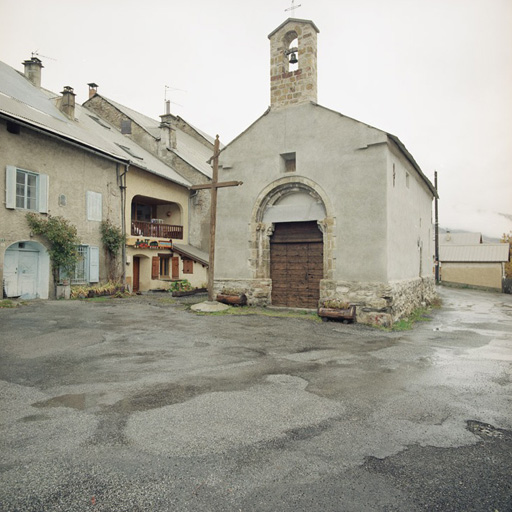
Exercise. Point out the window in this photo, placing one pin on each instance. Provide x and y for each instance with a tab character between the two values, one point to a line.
289	160
126	126
87	268
94	206
164	265
26	190
407	179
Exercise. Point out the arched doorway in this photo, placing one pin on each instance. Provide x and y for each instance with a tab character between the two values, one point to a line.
293	241
26	270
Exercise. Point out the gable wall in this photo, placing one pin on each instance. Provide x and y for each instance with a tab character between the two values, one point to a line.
332	151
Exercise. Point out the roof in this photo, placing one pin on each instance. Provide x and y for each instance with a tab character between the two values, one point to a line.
460	239
293	20
191	252
22	102
188	148
479	253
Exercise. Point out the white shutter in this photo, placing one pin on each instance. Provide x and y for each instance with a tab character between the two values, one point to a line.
94	264
10	187
43	184
94	206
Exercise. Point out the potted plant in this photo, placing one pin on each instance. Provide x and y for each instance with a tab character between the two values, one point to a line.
337	310
232	296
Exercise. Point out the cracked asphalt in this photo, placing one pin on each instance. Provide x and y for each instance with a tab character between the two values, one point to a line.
142	405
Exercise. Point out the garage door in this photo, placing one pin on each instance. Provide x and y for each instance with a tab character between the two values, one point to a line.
296	264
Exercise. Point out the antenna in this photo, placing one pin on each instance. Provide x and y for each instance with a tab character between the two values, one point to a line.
37	54
167	88
293	7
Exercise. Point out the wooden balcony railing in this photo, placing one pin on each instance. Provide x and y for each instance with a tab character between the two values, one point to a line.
152	229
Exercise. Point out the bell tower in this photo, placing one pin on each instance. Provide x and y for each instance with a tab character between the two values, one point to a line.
293	63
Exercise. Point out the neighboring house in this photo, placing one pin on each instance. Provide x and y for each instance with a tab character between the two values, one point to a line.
465	260
330	208
59	158
179	144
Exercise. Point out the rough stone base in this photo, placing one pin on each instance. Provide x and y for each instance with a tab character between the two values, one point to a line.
257	290
381	304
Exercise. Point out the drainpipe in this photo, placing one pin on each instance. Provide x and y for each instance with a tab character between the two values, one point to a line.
122	188
436	226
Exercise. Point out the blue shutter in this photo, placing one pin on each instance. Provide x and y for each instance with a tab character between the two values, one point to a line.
10	187
94	264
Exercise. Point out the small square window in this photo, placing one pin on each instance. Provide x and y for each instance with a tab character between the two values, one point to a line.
289	161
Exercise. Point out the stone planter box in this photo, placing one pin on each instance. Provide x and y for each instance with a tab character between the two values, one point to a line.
232	300
345	315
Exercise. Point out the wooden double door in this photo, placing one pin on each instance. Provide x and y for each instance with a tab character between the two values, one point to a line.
296	264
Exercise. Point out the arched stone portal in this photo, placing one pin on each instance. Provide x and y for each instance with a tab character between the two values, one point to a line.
293	240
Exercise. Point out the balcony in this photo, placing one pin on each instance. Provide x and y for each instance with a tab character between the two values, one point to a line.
156	229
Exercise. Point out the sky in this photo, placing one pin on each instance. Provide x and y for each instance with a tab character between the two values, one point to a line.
435	73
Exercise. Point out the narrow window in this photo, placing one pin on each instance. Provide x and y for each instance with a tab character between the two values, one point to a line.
289	162
407	179
26	190
164	265
126	126
394	175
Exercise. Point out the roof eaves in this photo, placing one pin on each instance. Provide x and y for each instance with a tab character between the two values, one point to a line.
293	20
70	140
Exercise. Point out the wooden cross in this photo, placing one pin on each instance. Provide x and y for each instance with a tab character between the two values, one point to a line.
293	7
213	186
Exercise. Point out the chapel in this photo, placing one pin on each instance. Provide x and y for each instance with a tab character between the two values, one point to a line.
330	207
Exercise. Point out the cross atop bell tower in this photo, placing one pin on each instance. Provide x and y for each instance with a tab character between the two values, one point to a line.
293	63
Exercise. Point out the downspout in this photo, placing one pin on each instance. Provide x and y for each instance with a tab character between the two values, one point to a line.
122	188
436	227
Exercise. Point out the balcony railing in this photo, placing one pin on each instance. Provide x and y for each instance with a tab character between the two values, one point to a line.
153	229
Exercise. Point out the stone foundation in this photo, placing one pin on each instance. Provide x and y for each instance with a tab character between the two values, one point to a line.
379	304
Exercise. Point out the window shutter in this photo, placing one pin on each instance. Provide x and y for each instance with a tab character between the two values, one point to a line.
94	206
155	267
188	266
10	187
43	183
94	264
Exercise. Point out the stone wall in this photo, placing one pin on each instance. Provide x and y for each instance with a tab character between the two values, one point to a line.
381	303
257	290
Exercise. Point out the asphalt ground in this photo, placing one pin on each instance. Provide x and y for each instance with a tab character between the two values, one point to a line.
140	404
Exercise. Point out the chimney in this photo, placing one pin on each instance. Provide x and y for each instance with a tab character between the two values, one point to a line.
33	70
93	89
167	128
67	102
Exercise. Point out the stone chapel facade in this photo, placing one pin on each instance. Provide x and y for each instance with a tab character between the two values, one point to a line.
330	208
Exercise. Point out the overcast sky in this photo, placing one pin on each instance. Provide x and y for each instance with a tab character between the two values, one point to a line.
436	73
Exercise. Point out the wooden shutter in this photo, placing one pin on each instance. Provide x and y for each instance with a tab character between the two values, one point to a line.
94	264
175	267
188	266
10	187
155	267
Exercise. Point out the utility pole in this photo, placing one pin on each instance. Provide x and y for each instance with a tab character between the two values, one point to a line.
436	227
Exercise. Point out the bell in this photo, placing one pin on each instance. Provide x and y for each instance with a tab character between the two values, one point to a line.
293	58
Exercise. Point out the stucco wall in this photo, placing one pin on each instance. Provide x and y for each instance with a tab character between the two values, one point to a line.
72	172
332	151
409	214
488	275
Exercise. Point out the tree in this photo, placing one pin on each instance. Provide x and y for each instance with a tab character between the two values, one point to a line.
507	239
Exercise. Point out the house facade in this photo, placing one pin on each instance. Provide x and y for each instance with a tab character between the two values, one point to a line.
466	261
330	208
61	159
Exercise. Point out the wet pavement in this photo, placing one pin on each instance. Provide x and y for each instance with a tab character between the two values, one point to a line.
140	404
